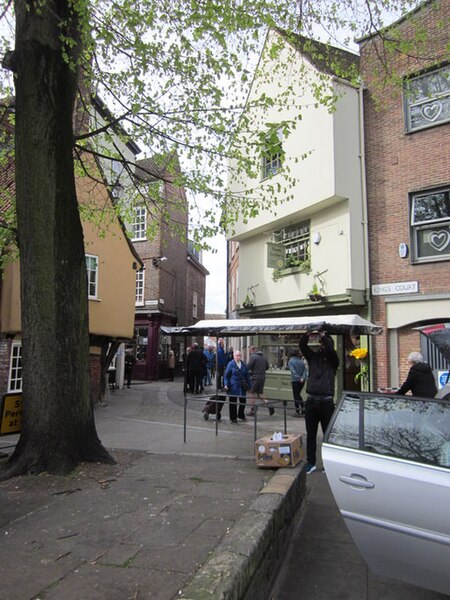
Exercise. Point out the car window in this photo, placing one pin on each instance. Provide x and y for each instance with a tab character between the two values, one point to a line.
397	426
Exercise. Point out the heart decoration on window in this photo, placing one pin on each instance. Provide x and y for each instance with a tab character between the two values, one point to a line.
439	240
432	111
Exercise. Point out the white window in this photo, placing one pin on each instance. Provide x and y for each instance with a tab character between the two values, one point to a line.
92	275
430	225
15	368
273	154
140	287
427	99
195	304
139	226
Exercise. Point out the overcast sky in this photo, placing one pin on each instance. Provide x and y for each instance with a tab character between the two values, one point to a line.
216	281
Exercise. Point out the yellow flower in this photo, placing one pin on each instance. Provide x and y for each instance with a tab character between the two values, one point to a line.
359	353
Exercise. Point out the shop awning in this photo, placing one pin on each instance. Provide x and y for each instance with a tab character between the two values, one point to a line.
334	324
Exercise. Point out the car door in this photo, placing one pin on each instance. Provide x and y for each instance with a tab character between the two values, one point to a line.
387	460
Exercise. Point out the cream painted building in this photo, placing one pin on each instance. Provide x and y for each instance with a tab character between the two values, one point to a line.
316	178
306	254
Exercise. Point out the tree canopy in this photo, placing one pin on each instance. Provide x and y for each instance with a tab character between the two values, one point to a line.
175	76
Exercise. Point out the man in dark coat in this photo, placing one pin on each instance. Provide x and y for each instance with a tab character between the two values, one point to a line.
420	381
319	407
196	366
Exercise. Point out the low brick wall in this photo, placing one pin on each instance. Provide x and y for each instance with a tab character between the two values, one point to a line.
245	563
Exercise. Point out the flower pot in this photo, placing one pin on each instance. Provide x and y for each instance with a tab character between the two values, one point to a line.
315	297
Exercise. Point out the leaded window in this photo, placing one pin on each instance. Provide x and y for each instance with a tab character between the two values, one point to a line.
296	240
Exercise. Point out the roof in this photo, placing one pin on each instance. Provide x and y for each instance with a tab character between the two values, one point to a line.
396	23
104	111
326	58
334	324
159	166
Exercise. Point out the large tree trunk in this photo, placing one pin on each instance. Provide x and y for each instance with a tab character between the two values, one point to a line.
58	423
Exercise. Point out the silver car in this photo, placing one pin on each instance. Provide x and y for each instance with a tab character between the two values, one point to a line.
387	460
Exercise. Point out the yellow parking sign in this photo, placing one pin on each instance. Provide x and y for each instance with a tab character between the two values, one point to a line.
11	414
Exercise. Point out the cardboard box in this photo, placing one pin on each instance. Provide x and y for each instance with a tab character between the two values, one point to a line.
287	452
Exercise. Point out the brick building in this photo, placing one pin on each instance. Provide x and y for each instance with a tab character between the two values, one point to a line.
407	153
170	290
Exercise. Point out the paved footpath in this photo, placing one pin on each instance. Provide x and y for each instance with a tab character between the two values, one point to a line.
170	520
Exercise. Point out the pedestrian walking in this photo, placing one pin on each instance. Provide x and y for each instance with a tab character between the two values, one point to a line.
171	364
420	380
210	356
299	373
237	383
323	363
196	361
257	366
130	361
221	362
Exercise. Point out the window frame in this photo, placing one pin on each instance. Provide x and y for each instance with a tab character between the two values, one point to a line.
140	287
139	225
272	161
408	104
418	226
195	304
301	255
90	270
16	355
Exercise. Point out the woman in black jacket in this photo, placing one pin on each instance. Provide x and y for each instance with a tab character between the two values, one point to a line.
420	381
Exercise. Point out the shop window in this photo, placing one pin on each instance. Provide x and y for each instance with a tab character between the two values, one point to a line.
430	226
141	336
92	275
427	99
15	369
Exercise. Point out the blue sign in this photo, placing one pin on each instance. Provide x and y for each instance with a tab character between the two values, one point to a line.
442	378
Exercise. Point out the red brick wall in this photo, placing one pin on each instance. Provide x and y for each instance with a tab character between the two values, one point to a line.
397	164
5	357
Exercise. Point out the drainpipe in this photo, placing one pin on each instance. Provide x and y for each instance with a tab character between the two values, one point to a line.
364	218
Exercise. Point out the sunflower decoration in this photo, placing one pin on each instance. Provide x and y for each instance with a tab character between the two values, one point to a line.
362	377
359	353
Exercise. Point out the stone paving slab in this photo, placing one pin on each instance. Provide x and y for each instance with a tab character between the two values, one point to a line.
149	526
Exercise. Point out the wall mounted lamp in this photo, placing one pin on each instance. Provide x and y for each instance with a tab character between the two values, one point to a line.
157	260
317	238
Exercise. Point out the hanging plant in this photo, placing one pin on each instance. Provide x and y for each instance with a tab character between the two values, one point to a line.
248	302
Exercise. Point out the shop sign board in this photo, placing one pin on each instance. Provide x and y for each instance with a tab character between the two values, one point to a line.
11	414
399	287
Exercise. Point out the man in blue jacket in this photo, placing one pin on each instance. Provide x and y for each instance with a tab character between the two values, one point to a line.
319	408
